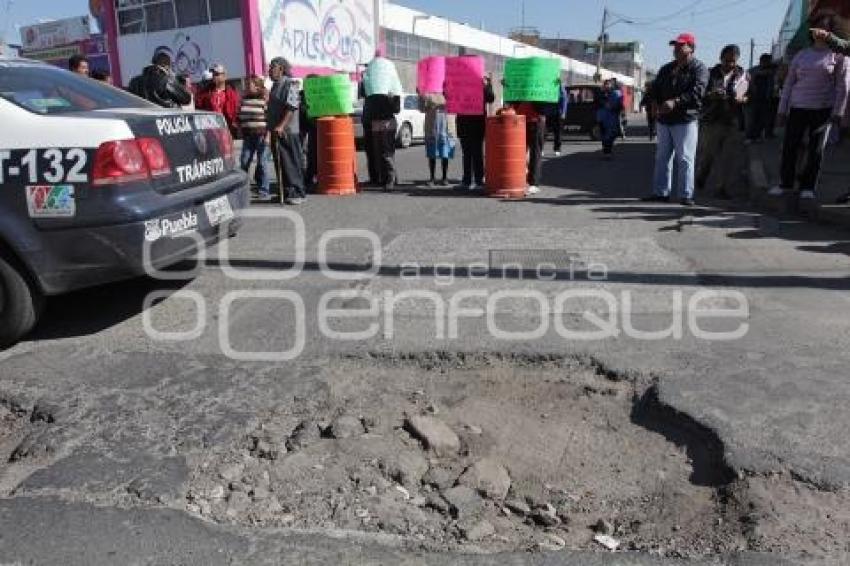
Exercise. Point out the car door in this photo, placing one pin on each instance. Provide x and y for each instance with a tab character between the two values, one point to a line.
412	114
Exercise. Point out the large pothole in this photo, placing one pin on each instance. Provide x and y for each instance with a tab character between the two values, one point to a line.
496	452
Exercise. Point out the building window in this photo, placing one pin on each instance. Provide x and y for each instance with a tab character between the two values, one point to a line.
159	16
142	16
224	10
192	13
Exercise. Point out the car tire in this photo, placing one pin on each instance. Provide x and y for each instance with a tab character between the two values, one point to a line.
405	136
595	133
20	303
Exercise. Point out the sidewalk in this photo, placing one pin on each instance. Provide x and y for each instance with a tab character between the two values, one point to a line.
763	173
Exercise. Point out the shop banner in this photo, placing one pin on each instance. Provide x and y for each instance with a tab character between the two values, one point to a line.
338	34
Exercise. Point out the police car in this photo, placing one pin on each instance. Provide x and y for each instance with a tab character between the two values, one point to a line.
97	185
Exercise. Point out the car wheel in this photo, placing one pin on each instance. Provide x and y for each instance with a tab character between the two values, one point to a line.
405	136
20	303
595	133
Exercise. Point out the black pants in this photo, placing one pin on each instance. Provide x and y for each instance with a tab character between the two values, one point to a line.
473	158
369	146
289	165
535	134
556	124
383	148
761	121
815	123
312	167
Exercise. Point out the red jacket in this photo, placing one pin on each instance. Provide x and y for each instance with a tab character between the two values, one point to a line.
226	104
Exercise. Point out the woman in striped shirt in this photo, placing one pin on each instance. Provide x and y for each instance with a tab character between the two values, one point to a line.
255	138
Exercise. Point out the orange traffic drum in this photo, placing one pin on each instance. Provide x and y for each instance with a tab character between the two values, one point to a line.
337	156
505	157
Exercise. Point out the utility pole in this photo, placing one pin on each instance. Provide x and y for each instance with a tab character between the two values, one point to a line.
752	52
601	46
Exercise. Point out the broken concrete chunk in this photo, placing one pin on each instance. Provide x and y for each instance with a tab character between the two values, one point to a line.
518	506
434	434
608	542
464	502
487	477
345	427
305	433
477	530
406	468
604	527
546	516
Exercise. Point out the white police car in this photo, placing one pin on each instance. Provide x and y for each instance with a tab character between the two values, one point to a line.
96	183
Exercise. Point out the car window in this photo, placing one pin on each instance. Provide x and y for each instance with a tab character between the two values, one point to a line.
411	103
49	90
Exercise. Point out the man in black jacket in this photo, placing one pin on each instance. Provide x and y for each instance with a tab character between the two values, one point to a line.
159	84
678	91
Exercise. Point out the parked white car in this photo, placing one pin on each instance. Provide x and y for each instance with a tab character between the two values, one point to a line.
411	122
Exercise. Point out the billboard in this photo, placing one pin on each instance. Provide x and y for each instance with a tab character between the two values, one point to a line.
94	49
336	34
193	49
48	35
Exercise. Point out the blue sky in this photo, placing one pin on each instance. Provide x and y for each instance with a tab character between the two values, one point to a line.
715	22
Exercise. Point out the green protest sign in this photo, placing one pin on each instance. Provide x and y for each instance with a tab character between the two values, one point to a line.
328	96
532	79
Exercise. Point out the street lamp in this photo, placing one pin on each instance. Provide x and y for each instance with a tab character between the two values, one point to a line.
606	25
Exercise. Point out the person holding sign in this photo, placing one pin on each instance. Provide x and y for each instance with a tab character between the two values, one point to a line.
439	135
381	88
531	84
471	129
282	121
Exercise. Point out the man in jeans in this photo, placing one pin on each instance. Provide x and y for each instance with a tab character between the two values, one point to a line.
282	120
678	91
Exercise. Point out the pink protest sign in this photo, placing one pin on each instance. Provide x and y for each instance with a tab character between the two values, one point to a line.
465	85
431	74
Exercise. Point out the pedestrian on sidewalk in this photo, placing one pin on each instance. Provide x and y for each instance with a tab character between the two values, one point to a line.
841	46
471	131
282	121
763	86
610	107
255	135
220	97
651	109
678	91
381	109
720	140
814	100
440	135
555	119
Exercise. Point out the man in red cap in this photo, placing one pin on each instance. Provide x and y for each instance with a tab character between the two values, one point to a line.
678	90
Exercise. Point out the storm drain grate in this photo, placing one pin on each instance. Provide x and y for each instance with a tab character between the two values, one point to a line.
531	260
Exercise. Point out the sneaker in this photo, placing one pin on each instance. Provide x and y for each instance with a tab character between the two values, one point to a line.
807	195
444	182
776	192
472	187
294	201
263	197
465	187
557	154
687	202
532	190
656	198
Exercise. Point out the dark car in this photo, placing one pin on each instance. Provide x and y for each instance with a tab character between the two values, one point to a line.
100	185
581	111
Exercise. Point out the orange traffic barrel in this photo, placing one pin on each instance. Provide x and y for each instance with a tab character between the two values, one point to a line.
337	156
505	156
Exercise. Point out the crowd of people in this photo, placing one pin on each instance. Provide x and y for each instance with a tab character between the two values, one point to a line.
701	118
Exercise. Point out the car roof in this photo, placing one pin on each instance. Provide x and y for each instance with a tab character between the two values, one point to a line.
22	62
